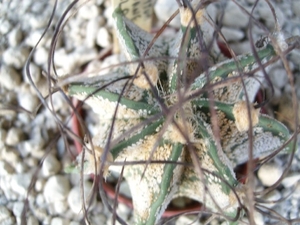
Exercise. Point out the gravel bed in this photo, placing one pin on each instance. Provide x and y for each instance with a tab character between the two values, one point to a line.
33	156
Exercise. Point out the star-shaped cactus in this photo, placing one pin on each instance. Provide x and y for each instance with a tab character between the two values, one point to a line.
183	116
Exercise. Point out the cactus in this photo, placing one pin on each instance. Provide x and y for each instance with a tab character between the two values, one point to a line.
189	123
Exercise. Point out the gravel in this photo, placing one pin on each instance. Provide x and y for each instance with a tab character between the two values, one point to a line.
26	151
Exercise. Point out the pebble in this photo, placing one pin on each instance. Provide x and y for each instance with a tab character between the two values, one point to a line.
5	168
269	173
279	77
234	16
40	56
18	208
290	180
295	7
35	73
32	220
92	28
50	166
103	38
59	221
10	78
56	188
164	9
5	216
20	183
265	12
232	34
15	36
14	136
74	198
15	56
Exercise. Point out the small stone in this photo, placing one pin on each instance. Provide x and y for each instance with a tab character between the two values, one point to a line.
266	14
103	38
15	36
28	101
20	183
39	185
5	216
35	73
271	198
40	200
32	221
232	34
15	56
74	198
50	166
268	174
5	168
10	78
234	16
3	135
40	56
21	167
295	7
14	136
258	218
18	208
91	32
279	77
290	180
59	221
56	188
164	10
88	11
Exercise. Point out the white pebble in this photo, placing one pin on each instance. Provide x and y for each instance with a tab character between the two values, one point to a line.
39	185
279	77
50	166
232	34
35	73
258	218
268	174
28	101
40	56
59	221
5	216
290	180
15	36
58	207
15	56
20	183
91	32
14	136
88	11
56	188
272	198
5	26
40	200
103	38
18	208
10	78
164	10
74	198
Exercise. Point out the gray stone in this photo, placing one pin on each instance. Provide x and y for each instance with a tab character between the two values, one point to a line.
234	16
232	34
164	10
295	7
